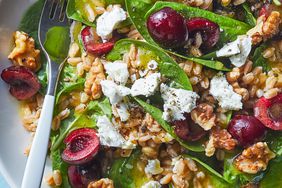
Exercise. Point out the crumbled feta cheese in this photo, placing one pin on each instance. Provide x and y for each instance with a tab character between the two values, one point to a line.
152	184
153	167
122	111
223	92
152	65
117	71
245	49
237	51
114	92
108	21
146	86
177	102
109	135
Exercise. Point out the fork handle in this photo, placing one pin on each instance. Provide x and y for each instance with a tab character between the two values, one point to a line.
37	156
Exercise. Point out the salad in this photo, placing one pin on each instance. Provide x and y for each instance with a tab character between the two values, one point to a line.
183	93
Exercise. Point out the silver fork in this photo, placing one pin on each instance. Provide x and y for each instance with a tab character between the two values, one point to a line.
53	14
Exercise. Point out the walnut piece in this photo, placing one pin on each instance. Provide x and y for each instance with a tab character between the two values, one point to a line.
102	183
92	84
24	53
254	159
265	27
203	115
219	139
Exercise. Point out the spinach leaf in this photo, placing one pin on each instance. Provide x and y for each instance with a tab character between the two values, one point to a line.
125	173
157	115
249	17
136	10
273	176
76	14
274	141
110	2
86	119
57	43
168	67
59	164
259	60
231	28
213	64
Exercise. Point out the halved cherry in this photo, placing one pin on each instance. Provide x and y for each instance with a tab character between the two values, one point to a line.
209	30
81	176
269	111
92	43
187	130
246	129
81	146
23	82
167	28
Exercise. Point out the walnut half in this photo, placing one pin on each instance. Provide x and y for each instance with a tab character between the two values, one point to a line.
203	115
102	183
254	159
24	52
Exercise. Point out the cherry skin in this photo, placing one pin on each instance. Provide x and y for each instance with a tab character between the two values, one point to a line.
209	31
167	28
246	129
23	82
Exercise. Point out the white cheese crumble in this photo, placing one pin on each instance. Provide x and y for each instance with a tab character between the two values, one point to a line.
146	86
109	20
177	102
109	135
152	184
122	111
237	51
153	167
152	65
117	71
223	92
114	92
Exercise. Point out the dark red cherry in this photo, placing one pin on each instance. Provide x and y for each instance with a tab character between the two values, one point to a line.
92	44
187	130
81	146
269	111
246	129
81	176
209	31
167	28
23	82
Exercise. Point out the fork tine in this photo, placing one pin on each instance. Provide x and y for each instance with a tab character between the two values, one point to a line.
59	11
63	11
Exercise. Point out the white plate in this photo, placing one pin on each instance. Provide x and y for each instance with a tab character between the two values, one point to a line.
13	137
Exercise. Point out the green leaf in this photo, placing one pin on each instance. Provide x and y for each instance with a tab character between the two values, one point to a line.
30	20
231	28
157	115
75	11
249	17
57	43
136	10
274	141
273	176
71	87
259	60
125	173
168	67
59	164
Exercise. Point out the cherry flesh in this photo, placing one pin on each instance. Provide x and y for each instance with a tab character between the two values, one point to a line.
269	111
81	146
